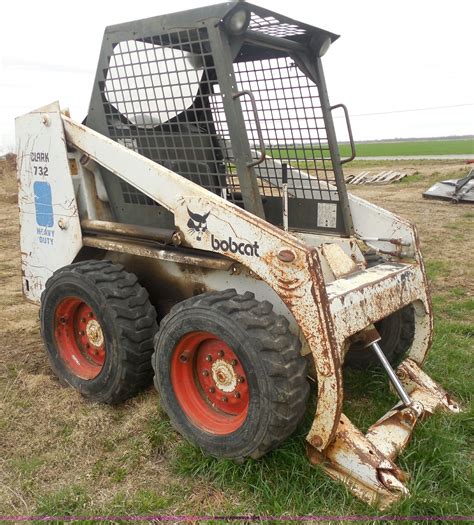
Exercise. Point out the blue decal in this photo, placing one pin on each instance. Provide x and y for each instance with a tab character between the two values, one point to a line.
43	204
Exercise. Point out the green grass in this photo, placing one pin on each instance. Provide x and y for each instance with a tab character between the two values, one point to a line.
416	147
71	501
387	149
143	502
435	268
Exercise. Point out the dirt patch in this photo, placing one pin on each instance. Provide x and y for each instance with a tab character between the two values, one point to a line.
8	184
445	229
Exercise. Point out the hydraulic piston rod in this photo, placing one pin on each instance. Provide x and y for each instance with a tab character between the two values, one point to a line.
402	393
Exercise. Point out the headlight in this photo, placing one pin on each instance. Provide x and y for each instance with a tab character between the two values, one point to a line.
238	21
323	48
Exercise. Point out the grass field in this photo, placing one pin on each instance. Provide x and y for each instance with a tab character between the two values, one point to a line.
60	455
408	148
391	148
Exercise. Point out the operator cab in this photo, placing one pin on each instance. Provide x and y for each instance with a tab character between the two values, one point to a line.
234	101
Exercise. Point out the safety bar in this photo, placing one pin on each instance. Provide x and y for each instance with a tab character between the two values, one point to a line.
257	123
349	129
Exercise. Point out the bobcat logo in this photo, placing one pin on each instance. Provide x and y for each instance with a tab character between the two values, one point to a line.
197	224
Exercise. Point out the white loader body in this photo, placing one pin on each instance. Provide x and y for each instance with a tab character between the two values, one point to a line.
319	282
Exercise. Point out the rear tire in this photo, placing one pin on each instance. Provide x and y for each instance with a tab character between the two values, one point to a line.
230	374
98	326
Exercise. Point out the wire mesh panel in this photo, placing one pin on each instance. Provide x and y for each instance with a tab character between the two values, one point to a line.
270	25
156	100
162	100
293	127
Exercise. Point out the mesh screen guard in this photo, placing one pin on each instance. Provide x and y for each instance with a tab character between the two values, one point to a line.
161	97
292	125
157	102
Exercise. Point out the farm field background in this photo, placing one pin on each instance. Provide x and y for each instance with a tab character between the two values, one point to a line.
412	147
393	148
60	455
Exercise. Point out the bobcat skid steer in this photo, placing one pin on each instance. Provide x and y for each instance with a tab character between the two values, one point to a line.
205	191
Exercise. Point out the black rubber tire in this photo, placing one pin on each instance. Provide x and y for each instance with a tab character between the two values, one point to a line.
397	332
270	355
127	319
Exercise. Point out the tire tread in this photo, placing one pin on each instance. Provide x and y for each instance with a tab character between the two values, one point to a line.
134	319
279	351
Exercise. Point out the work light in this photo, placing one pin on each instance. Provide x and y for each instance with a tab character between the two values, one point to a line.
325	45
238	21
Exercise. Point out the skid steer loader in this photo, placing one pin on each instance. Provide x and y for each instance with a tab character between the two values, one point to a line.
205	190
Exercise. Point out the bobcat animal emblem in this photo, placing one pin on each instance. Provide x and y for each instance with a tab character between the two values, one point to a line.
197	224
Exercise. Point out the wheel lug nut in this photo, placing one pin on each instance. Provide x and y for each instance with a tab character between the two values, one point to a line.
209	358
233	362
205	373
224	399
237	395
220	353
88	345
63	320
83	320
240	379
81	332
91	314
212	390
183	358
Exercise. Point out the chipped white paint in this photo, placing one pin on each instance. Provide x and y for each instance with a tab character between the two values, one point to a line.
50	233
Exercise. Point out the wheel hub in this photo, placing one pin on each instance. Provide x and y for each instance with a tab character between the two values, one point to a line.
94	333
79	337
210	382
224	375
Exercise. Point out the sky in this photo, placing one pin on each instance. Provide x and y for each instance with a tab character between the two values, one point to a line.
404	68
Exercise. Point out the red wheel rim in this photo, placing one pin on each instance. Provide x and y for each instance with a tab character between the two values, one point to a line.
210	383
79	338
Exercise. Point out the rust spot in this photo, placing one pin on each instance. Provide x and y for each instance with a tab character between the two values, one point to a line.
73	166
316	441
177	238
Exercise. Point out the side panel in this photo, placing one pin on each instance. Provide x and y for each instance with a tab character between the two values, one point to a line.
383	230
50	231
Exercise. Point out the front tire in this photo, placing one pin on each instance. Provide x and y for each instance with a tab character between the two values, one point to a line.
230	374
98	326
